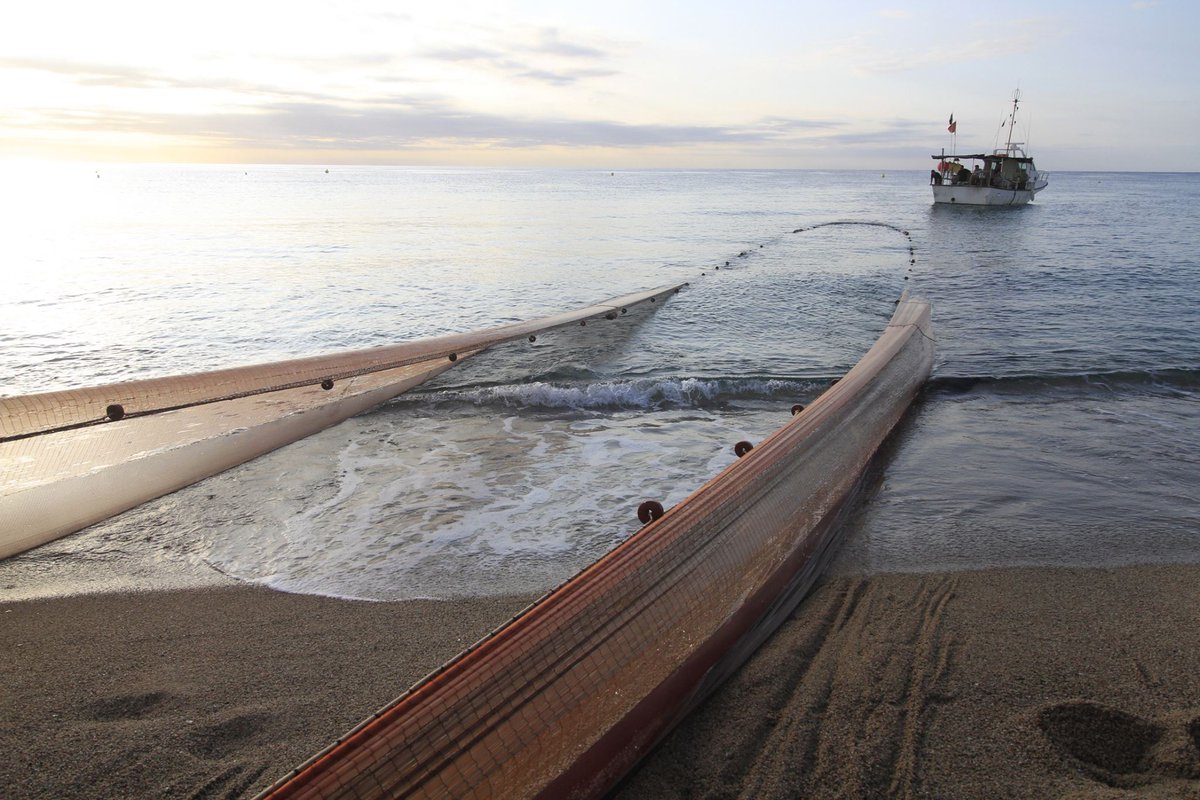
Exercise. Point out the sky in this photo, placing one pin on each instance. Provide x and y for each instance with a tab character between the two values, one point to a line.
613	84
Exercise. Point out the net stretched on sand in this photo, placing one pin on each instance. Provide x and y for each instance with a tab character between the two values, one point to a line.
565	698
71	458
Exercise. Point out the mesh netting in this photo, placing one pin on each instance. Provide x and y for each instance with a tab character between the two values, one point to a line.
72	458
564	699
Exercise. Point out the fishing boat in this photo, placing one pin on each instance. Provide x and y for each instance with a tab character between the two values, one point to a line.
1005	177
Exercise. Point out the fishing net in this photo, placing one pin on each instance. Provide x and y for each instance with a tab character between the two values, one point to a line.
563	700
72	458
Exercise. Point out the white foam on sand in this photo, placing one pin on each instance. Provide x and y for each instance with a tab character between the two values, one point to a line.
408	503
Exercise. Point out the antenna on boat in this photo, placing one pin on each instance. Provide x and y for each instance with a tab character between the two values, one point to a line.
1012	120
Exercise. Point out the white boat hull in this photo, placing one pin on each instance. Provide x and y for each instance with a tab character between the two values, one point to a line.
964	195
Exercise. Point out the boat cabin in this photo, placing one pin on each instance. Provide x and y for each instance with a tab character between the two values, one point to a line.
999	170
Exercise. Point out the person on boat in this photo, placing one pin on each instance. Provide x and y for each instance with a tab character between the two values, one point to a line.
977	176
935	177
964	174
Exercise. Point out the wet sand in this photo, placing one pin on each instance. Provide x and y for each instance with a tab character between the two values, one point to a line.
998	683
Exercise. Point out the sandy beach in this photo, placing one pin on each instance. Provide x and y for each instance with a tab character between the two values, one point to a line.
204	693
998	683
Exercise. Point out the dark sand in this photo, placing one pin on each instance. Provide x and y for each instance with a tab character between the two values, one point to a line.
1010	683
207	693
1000	683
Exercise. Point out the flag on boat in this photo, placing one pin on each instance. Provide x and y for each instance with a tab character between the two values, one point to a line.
953	125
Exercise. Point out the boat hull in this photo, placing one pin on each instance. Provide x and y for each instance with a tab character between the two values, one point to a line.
981	195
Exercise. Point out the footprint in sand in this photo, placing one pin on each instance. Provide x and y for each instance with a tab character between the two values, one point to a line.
126	706
1124	750
223	738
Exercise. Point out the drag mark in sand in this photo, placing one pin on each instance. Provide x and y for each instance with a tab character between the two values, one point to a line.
974	685
797	692
231	784
861	695
126	706
931	658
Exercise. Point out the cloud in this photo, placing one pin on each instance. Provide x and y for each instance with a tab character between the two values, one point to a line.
341	61
564	77
463	53
94	74
264	115
551	42
400	123
497	61
876	53
313	118
548	58
117	76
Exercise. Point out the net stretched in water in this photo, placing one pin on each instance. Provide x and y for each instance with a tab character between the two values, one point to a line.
71	458
564	699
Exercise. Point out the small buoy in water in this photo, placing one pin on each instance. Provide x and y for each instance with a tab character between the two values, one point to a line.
532	338
741	448
610	315
652	299
326	172
649	511
115	411
624	310
796	409
327	384
583	322
454	356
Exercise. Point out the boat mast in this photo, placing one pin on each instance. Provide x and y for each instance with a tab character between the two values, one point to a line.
1012	121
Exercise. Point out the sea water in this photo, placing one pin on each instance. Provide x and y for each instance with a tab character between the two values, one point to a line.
1059	427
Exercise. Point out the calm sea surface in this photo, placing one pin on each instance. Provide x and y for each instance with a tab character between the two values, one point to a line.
1060	426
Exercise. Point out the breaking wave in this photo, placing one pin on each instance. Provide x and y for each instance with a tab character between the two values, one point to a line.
640	394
